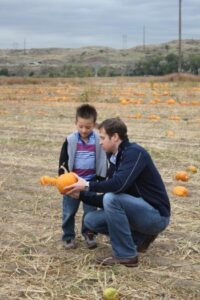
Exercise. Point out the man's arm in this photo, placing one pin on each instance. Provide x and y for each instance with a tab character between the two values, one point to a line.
92	199
131	166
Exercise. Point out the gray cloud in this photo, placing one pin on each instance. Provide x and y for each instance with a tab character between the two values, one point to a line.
77	23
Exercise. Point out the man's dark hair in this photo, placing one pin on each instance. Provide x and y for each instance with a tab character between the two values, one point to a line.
114	125
86	111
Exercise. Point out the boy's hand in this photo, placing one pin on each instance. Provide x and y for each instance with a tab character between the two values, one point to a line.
76	187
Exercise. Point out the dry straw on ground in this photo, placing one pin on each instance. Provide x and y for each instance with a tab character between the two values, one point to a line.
35	118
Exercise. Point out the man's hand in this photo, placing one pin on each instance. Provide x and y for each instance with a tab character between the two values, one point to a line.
74	195
76	187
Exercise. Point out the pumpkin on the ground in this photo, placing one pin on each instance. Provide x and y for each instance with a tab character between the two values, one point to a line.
110	294
182	175
180	191
192	169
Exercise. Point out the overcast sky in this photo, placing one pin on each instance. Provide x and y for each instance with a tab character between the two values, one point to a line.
79	23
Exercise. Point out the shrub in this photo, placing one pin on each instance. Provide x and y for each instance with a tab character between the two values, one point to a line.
4	72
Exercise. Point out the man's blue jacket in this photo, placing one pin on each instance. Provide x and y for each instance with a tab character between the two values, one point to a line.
135	174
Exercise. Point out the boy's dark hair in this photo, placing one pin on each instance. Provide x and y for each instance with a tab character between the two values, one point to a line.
114	125
86	111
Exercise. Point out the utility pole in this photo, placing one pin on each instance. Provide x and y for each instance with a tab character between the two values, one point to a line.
24	46
144	38
180	38
124	41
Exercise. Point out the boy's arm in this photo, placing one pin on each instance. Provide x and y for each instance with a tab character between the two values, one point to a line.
63	160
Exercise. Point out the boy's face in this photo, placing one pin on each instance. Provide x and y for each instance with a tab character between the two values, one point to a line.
85	126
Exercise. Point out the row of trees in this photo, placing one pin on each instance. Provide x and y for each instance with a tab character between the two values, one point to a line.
159	65
153	65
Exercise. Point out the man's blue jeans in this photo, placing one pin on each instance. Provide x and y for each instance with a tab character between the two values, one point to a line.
70	207
127	220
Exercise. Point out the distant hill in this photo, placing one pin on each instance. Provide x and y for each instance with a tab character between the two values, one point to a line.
44	61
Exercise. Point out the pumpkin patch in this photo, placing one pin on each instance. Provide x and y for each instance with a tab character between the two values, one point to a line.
35	119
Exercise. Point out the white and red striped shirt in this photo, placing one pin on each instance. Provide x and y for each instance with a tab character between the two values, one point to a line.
84	163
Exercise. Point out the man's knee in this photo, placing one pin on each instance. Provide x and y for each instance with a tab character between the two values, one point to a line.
109	200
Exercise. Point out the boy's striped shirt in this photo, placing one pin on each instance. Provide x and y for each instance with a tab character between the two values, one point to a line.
84	163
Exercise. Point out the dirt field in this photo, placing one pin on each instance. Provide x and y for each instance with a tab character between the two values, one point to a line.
34	120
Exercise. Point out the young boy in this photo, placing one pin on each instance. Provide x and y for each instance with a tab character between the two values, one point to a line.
82	154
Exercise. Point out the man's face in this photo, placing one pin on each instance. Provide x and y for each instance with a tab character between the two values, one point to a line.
108	143
85	126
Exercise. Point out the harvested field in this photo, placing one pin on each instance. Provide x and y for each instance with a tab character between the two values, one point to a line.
35	117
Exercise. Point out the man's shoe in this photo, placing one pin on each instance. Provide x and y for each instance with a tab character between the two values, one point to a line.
90	239
111	261
145	245
70	244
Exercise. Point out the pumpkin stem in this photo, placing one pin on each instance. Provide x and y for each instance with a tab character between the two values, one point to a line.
65	170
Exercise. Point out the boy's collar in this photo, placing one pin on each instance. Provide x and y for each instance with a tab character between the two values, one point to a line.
79	136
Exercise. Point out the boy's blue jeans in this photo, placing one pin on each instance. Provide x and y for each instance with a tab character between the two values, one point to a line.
127	220
70	207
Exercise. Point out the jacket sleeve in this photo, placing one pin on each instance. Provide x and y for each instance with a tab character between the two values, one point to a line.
63	160
131	165
92	199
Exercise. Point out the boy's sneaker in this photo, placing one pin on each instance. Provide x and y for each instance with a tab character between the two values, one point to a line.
90	239
70	244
